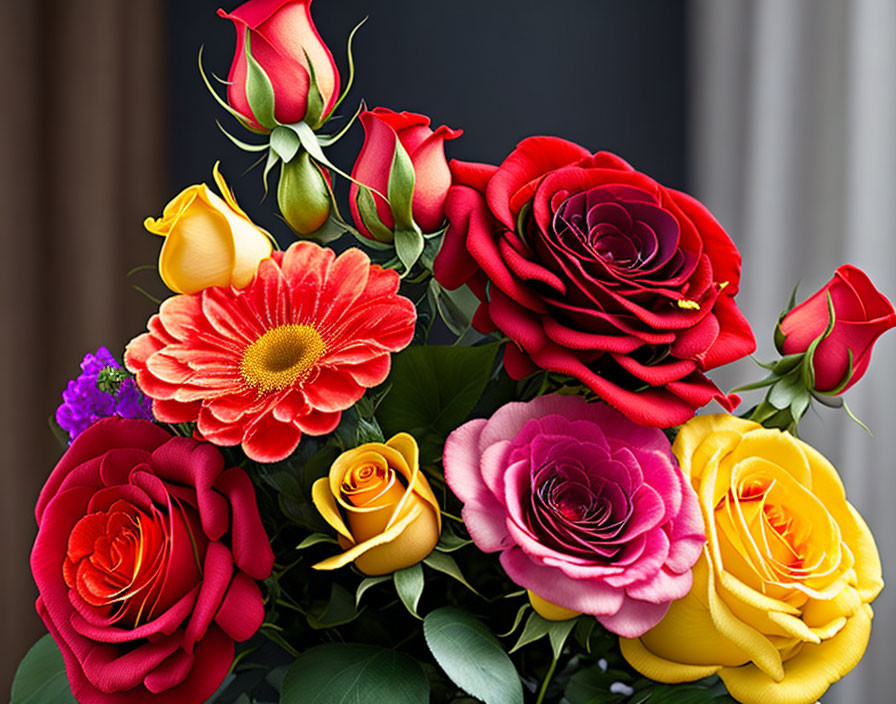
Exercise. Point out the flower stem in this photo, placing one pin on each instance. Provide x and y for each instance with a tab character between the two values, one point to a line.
546	681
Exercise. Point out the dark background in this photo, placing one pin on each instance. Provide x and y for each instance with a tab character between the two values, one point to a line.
106	119
607	75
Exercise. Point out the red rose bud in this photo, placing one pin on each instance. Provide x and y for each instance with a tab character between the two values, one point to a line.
304	194
384	132
285	46
861	315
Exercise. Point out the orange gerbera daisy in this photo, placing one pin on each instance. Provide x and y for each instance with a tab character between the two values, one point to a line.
286	355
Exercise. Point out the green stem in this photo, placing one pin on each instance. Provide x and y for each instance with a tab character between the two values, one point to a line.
452	516
546	681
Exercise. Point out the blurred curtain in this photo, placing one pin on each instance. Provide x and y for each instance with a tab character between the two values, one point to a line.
794	150
82	124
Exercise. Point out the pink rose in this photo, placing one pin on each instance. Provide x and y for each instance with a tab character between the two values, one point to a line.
283	41
146	557
383	130
588	510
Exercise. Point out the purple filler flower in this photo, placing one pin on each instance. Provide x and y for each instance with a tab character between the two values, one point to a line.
589	511
100	391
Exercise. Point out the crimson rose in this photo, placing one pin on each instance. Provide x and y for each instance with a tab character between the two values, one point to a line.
145	559
595	270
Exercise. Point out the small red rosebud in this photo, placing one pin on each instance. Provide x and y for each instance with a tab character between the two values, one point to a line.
861	315
283	40
383	130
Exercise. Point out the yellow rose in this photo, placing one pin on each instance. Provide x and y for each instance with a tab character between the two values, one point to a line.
381	506
780	603
209	241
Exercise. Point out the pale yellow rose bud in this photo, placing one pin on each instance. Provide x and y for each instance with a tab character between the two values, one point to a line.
381	506
209	241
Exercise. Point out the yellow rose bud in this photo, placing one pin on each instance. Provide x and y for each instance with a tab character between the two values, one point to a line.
209	241
548	610
381	506
780	606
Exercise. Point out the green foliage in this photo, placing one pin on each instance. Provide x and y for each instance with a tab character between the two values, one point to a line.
259	89
41	677
339	673
433	391
471	656
409	584
596	685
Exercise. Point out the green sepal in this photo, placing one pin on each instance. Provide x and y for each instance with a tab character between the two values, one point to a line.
847	377
409	584
259	89
303	195
446	564
808	362
855	419
401	189
285	143
371	218
784	390
408	247
327	140
787	363
517	620
761	384
314	106
271	161
223	103
351	66
315	539
537	626
245	146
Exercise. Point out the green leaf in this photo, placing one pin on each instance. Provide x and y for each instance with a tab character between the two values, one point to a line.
259	89
558	632
245	146
445	563
409	584
456	307
41	677
367	583
340	609
315	539
450	541
787	364
339	673
285	143
434	389
401	189
471	656
800	404
408	247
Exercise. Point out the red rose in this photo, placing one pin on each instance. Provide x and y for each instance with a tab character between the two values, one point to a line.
283	40
861	315
145	559
383	129
595	270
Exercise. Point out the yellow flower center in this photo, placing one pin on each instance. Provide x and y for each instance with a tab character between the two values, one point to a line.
281	357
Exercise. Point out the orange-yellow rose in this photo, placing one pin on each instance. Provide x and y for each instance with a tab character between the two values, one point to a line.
381	506
209	241
780	606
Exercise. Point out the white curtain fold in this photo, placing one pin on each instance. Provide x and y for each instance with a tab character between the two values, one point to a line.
794	150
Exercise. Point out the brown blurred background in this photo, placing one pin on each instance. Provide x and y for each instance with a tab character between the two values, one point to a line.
779	114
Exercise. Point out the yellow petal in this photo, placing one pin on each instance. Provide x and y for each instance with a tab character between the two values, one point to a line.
809	673
325	503
225	190
688	634
406	445
659	669
198	251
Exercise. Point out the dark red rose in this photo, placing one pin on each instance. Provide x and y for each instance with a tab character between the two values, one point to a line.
861	315
383	130
146	557
595	270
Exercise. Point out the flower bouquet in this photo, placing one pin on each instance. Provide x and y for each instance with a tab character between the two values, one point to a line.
456	458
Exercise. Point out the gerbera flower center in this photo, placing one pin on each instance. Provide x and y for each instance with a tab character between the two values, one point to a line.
282	356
